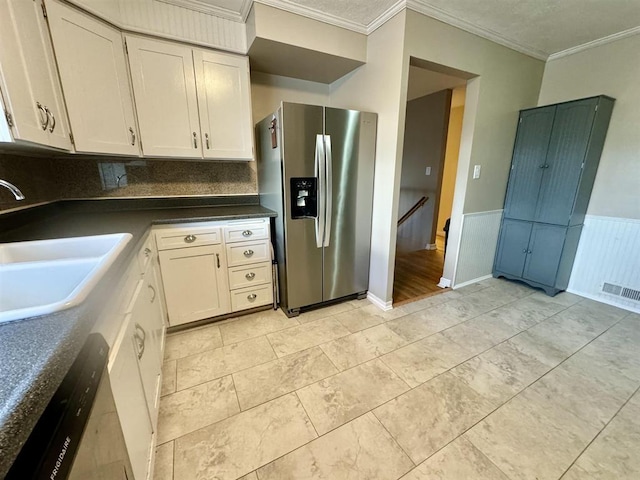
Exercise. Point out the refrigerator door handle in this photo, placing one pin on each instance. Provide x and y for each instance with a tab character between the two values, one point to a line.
320	174
329	190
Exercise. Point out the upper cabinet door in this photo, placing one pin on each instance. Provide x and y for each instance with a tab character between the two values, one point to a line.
93	70
164	88
30	85
224	99
527	167
563	168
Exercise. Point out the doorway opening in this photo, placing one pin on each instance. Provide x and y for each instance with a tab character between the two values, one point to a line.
433	127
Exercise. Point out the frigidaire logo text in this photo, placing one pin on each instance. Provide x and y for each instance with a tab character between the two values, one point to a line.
63	452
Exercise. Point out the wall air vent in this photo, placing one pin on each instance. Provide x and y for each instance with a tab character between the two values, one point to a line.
619	291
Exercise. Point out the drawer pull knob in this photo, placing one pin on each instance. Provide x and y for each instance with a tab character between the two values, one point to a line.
250	276
147	252
252	297
190	238
248	253
247	233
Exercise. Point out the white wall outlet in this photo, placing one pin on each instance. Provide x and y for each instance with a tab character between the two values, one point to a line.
476	171
427	171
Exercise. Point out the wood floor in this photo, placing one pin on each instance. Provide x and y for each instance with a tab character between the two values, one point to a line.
417	274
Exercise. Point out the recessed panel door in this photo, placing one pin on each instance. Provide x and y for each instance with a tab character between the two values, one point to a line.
350	151
164	87
513	246
527	168
563	168
545	247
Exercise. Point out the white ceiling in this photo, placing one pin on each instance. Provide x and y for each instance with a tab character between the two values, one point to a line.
536	27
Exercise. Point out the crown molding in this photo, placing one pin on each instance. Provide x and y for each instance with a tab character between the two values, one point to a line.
204	7
595	43
441	15
387	15
314	14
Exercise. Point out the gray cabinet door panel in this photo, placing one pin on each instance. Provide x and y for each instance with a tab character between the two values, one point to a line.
545	245
529	153
567	149
512	248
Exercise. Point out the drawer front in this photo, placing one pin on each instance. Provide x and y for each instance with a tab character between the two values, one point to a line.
188	237
243	232
251	297
248	252
240	277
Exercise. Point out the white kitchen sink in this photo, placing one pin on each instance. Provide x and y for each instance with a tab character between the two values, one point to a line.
46	276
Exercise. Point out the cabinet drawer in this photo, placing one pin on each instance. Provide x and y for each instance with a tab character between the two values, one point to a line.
241	232
188	237
251	297
248	252
246	276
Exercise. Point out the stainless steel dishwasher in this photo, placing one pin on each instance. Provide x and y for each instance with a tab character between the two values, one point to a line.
79	434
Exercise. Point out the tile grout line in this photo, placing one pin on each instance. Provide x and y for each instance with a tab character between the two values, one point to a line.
394	440
295	392
600	432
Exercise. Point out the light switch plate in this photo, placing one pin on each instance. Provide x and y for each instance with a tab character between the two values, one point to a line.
476	171
428	171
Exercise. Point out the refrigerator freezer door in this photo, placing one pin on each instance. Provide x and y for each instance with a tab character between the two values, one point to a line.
352	137
301	124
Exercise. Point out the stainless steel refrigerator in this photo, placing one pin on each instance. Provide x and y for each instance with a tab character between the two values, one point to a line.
315	169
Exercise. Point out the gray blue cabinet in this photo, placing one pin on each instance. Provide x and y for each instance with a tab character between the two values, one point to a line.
554	164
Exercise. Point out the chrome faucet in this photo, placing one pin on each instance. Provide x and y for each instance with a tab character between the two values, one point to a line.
13	189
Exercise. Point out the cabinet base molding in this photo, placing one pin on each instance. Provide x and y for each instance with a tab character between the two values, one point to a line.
209	321
551	291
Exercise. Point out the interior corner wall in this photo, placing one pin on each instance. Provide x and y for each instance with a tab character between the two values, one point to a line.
378	87
507	81
267	91
611	230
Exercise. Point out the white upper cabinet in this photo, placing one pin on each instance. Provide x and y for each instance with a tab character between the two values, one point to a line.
225	106
164	88
29	80
93	70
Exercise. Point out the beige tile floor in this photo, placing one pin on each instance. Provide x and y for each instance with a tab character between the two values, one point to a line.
495	381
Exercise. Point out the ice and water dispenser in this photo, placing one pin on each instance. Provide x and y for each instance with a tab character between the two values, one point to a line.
304	197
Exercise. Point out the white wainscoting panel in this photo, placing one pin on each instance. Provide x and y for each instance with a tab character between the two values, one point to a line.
609	251
478	243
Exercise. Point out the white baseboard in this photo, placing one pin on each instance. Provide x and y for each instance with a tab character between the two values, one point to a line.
378	302
470	282
444	283
606	300
431	246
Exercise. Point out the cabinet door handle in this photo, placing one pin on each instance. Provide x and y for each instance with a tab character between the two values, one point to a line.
153	291
524	250
141	340
218	259
133	136
247	233
190	238
529	252
250	276
147	252
248	253
206	139
195	140
44	121
53	119
252	297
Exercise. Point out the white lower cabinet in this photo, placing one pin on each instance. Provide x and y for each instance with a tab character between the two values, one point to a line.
135	359
131	404
214	268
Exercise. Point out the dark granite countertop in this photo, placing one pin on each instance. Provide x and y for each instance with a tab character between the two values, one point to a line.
36	353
